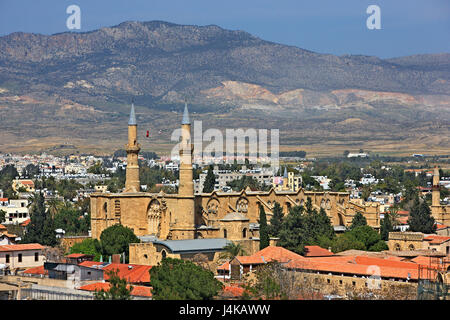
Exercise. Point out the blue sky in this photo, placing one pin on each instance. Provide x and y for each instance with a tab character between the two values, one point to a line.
326	26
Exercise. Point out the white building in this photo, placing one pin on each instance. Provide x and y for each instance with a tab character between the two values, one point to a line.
16	211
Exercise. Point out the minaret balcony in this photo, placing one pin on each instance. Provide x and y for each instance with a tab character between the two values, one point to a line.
133	148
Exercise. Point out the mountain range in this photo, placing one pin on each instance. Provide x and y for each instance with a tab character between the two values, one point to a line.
72	91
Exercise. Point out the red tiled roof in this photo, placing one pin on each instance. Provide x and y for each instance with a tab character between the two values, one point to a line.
434	239
250	259
403	212
225	266
440	226
3	199
365	260
8	235
403	220
358	265
21	247
2	227
76	255
133	273
316	251
140	291
233	291
427	261
26	222
268	254
30	182
36	270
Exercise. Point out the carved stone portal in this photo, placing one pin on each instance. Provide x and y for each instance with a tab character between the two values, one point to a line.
155	215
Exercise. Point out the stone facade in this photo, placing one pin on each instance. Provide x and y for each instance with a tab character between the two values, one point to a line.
406	241
440	213
68	242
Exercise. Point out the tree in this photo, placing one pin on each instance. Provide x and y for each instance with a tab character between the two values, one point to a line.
244	182
88	246
360	238
232	250
276	221
118	290
319	230
358	220
116	239
41	228
54	206
7	175
97	168
210	181
2	215
420	219
386	227
394	216
264	239
343	243
176	279
70	219
272	281
365	194
30	171
309	206
292	231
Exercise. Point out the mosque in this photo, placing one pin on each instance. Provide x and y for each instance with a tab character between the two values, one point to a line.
164	221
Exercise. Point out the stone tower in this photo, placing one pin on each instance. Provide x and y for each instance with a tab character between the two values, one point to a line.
132	183
184	227
436	196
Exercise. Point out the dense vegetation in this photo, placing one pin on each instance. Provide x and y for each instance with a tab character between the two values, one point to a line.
175	279
118	290
113	240
7	175
306	226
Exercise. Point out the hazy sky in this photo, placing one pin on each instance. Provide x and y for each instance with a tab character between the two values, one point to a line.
326	26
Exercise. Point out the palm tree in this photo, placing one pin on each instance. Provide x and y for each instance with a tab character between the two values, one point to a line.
393	213
54	206
232	250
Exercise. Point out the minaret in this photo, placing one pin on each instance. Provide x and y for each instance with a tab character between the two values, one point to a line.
186	187
436	196
132	183
185	215
285	179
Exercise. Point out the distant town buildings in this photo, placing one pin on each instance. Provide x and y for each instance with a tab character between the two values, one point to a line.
223	177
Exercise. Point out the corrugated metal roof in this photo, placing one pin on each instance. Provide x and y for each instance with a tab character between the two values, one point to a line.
190	245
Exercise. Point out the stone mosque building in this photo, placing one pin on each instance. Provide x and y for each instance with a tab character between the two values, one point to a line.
188	223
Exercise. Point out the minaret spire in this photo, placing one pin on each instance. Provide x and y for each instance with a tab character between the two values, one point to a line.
132	121
186	119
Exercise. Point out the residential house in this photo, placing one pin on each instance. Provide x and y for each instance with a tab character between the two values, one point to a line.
21	256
